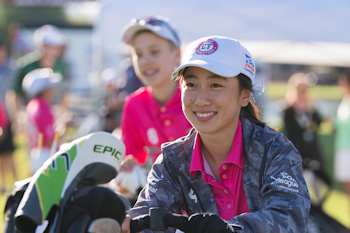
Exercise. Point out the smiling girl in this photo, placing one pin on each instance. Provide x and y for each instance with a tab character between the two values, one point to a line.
231	165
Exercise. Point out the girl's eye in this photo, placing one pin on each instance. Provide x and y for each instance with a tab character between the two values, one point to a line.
216	85
190	85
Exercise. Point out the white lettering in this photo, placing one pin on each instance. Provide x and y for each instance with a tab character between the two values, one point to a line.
153	190
192	196
286	181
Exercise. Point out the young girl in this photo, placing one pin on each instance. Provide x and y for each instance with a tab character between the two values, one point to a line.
39	85
231	164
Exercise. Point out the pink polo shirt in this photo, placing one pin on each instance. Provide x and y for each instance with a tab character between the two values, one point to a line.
40	120
3	116
146	125
229	195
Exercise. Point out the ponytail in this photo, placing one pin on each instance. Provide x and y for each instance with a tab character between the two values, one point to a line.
251	111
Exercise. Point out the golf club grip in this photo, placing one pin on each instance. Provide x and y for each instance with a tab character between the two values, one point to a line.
181	222
176	221
170	220
139	224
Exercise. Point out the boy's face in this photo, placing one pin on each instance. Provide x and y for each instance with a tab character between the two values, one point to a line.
154	59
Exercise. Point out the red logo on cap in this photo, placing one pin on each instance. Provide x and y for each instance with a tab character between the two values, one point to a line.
207	47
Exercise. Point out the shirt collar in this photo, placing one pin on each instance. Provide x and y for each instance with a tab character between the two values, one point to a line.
172	103
236	156
197	159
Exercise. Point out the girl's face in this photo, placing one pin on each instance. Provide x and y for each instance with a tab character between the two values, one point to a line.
154	58
212	103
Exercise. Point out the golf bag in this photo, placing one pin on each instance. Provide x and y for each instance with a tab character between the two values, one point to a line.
64	194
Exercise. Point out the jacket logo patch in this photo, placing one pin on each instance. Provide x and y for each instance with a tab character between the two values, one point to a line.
285	181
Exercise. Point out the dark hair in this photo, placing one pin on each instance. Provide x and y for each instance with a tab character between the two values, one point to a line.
251	111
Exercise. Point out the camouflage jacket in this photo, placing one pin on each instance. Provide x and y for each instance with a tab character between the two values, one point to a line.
275	188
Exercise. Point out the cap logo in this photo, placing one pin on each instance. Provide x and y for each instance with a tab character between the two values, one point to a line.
249	65
207	47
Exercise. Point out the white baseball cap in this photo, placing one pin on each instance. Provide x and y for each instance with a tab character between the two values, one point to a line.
49	35
159	25
221	55
39	80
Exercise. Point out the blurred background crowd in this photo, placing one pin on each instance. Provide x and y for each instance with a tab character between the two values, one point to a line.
301	50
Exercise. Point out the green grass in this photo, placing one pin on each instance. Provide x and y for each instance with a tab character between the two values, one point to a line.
337	205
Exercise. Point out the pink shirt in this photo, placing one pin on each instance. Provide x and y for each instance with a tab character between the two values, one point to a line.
40	120
229	195
146	125
3	116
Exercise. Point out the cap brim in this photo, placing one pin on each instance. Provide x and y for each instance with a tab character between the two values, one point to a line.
214	67
56	78
130	32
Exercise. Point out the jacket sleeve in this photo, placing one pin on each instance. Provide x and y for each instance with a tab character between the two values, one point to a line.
160	191
285	201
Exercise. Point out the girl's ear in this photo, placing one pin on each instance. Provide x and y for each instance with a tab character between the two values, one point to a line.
245	97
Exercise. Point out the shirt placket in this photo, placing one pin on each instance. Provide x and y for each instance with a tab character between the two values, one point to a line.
225	175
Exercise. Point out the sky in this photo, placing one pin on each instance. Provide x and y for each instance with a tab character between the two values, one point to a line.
262	20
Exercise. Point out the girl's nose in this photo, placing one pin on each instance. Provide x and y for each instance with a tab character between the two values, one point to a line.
202	98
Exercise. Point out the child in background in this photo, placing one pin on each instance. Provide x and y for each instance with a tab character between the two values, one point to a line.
50	45
152	114
39	85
